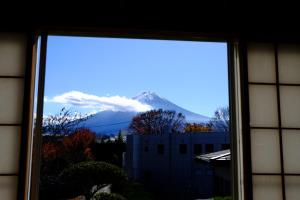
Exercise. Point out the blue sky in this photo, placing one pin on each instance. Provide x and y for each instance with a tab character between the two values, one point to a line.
87	74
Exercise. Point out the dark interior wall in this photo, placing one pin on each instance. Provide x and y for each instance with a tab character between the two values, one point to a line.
215	18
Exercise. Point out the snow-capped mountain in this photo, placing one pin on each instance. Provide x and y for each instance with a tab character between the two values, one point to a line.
110	122
157	102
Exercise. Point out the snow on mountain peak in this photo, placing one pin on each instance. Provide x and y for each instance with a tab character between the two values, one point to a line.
146	96
157	102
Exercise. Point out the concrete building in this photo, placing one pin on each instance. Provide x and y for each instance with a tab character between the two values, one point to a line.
166	163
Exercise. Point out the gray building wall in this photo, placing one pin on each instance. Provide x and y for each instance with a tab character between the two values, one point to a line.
173	170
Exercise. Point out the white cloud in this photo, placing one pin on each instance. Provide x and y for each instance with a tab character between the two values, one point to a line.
101	103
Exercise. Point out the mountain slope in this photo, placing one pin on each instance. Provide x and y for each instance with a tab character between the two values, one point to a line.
157	102
110	122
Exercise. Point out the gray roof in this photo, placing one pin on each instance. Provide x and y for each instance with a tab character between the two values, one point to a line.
215	156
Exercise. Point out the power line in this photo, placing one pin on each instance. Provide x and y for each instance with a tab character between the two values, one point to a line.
103	125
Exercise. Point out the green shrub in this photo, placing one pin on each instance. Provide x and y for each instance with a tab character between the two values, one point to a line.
81	177
107	196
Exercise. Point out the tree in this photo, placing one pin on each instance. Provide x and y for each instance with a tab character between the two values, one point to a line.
197	128
63	123
119	138
158	122
77	145
221	119
73	148
58	154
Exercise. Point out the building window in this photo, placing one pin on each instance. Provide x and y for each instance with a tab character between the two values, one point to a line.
209	148
225	146
160	149
146	149
182	148
197	149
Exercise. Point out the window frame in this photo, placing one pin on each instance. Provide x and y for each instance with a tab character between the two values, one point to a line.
197	149
209	148
235	85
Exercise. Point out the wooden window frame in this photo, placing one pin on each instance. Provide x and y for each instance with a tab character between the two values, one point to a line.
28	186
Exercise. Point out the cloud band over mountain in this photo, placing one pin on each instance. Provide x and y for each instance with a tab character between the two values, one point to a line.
101	103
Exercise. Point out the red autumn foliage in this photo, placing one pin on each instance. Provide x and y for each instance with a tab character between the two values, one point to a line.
59	152
197	128
80	139
88	153
51	150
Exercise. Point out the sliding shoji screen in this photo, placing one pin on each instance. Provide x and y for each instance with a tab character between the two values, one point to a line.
274	105
12	67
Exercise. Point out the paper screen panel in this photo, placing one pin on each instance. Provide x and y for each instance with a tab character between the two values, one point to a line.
8	187
267	188
290	106
12	54
261	63
289	64
11	98
263	106
292	187
291	150
9	149
265	151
